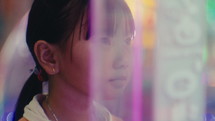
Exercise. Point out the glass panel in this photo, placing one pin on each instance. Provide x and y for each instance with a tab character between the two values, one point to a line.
150	60
179	86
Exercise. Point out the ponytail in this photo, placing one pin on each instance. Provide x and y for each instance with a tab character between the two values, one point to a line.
32	87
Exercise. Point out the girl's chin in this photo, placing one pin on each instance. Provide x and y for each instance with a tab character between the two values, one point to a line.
113	93
111	90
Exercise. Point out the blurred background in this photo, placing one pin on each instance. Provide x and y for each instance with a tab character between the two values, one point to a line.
11	12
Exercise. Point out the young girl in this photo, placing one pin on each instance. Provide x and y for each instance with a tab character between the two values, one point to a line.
59	37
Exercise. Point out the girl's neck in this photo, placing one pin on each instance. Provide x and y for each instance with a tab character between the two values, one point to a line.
67	104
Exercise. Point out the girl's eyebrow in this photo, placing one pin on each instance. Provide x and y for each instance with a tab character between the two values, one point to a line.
103	36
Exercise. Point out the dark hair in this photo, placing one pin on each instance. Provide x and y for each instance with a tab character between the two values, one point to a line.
31	88
55	21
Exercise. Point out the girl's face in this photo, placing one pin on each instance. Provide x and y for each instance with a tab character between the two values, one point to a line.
115	62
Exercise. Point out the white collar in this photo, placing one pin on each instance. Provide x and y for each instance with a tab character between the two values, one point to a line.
34	112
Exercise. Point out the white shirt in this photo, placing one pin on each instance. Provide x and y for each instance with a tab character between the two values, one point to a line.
34	112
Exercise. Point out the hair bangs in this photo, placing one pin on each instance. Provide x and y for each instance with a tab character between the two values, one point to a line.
115	16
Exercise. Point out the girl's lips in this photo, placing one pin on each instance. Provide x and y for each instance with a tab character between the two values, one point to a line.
118	82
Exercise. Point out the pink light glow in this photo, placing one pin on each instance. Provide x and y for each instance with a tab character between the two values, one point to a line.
137	81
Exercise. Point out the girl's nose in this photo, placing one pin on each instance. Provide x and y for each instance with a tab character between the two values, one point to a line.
120	60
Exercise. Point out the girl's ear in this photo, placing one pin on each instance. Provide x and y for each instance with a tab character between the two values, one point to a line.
47	56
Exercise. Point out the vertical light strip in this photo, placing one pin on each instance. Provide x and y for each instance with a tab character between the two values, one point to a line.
178	86
137	81
95	60
94	5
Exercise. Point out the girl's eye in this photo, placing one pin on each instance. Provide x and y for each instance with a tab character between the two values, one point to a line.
106	41
128	41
